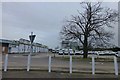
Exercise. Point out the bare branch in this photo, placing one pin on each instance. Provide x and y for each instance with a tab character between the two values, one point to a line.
89	26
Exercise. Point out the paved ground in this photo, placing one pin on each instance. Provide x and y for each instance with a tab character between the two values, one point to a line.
43	74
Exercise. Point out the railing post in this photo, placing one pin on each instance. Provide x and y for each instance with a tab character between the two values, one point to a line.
115	65
93	64
49	66
70	64
28	64
29	58
6	62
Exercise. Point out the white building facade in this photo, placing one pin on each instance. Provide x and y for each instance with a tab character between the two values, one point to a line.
23	46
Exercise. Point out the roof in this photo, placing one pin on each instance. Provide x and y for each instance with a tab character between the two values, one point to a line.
5	41
14	42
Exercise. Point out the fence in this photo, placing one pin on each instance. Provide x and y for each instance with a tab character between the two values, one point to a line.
70	64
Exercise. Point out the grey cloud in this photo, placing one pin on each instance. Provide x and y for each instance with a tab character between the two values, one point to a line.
44	19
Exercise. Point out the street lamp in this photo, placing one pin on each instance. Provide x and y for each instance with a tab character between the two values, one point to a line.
32	37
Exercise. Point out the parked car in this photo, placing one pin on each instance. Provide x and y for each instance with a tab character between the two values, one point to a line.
61	52
118	54
101	53
57	51
78	52
71	52
90	52
53	51
66	51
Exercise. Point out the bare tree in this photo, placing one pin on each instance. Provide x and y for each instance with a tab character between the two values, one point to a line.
89	26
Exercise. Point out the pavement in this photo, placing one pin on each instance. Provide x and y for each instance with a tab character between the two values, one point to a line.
44	74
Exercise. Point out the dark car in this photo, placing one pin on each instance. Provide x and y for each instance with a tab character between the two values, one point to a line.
53	51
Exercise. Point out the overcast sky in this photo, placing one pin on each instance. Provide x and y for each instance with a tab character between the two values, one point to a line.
45	19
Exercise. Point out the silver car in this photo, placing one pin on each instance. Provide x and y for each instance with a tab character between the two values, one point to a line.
118	55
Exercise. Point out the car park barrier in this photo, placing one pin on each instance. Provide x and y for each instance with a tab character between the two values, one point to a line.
6	62
49	66
29	61
115	65
70	65
93	64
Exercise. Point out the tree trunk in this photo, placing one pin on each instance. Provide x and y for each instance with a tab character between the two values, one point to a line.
85	51
85	48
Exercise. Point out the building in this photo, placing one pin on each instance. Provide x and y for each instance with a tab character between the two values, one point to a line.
21	46
69	44
4	46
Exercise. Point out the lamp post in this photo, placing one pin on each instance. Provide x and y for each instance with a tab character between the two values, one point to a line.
32	37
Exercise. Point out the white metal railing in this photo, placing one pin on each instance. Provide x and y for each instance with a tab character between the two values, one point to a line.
70	64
